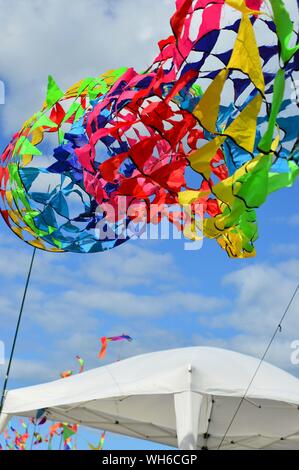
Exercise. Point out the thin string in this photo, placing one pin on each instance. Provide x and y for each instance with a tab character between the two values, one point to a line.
16	332
278	329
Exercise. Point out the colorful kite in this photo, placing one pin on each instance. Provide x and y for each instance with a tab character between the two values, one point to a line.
201	138
105	340
68	373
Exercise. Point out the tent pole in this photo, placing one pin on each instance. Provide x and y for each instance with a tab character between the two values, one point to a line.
16	332
4	420
187	410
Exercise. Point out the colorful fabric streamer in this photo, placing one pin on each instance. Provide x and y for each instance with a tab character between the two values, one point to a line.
20	439
69	431
38	438
211	128
81	364
25	440
105	340
66	431
101	443
53	430
68	373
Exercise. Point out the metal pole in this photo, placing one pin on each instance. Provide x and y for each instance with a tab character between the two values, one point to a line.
16	332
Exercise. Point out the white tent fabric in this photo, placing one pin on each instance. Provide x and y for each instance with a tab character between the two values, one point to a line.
183	398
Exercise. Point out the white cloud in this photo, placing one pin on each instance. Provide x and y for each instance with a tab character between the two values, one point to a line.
294	220
68	292
73	300
71	39
262	293
28	369
130	265
285	249
73	319
129	304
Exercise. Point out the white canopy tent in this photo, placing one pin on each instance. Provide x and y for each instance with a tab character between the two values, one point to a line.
183	398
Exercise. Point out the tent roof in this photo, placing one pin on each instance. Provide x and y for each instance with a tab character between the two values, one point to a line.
215	371
144	391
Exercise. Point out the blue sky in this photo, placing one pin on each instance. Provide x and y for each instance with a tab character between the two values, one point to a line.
160	294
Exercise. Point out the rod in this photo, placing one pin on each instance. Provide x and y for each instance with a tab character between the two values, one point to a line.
16	332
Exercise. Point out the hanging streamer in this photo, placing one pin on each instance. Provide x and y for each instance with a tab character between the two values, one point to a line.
105	340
